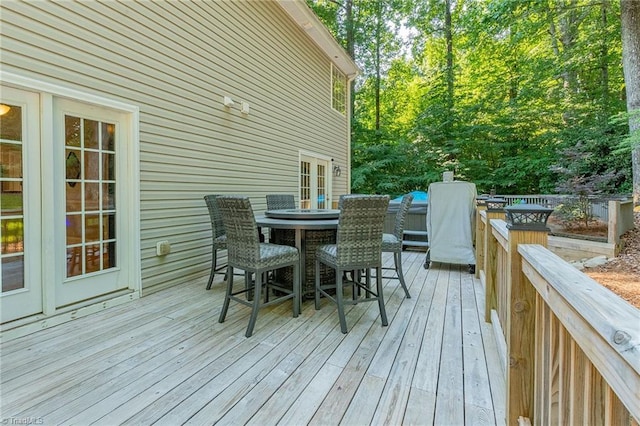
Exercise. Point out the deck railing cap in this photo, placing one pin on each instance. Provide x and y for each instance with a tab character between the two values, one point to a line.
527	217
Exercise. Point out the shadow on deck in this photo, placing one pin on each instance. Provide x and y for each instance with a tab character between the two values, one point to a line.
164	359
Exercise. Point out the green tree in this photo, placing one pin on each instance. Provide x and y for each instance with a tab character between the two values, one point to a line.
500	91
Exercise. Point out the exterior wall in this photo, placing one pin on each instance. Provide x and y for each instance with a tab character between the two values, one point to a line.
176	61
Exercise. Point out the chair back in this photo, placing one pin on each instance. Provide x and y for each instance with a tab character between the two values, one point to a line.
401	216
217	225
360	227
280	201
243	243
341	199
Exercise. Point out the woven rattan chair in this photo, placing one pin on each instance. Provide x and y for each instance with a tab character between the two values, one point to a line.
280	201
218	235
246	252
392	243
358	246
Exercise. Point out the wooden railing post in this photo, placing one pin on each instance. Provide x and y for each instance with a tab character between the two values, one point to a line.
527	225
495	210
613	231
480	230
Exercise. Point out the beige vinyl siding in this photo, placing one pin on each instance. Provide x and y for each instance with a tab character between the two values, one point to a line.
175	61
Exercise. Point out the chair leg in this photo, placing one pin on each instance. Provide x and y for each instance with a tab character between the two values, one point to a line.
317	292
356	276
397	257
383	312
214	261
256	304
265	279
296	290
227	297
247	286
340	302
367	282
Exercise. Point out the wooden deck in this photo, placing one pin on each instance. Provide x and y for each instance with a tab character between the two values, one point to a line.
164	359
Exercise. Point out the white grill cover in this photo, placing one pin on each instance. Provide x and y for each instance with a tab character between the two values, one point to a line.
450	222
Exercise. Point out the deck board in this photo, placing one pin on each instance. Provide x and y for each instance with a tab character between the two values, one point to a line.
164	359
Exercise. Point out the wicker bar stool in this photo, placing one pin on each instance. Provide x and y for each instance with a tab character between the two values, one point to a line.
358	246
280	201
392	243
246	252
218	236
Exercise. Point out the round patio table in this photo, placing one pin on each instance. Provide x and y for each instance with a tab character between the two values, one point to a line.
305	229
303	214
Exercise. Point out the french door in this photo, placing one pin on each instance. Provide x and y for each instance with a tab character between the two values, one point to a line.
315	185
63	203
20	206
87	144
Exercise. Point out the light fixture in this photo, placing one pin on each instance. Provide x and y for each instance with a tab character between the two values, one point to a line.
481	200
527	217
337	171
495	205
4	109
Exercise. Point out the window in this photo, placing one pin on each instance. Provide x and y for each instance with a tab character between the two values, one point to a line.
338	90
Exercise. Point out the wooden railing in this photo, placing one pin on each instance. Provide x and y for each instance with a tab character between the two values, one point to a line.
620	220
571	347
600	207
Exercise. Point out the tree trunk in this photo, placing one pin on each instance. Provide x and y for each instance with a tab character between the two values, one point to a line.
604	64
630	14
350	35
448	33
378	43
448	127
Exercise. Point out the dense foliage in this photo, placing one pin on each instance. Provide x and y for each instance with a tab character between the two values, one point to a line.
521	96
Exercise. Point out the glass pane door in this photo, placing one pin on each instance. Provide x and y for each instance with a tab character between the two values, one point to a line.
19	204
11	206
87	141
314	183
90	195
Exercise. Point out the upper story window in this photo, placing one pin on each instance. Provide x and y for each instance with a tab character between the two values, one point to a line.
338	90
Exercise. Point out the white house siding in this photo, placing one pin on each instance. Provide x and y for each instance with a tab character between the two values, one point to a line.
176	60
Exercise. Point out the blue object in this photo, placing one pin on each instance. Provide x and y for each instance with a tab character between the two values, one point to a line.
417	196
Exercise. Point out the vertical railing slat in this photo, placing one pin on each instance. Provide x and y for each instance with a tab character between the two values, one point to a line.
578	365
520	327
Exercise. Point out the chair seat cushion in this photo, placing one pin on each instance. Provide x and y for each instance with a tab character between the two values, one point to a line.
327	253
389	239
276	254
220	242
390	242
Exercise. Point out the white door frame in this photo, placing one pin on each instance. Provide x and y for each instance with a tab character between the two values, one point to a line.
47	92
27	300
70	290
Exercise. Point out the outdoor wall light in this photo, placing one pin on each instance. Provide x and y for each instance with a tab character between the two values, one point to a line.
527	217
337	171
229	103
